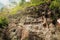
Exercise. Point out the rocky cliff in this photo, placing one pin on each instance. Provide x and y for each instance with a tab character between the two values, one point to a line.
35	23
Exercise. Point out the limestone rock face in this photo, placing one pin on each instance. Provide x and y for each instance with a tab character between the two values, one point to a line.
36	24
31	29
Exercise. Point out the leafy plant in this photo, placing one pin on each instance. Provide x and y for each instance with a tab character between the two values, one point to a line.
3	22
55	4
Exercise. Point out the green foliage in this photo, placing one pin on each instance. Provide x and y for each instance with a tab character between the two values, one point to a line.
38	2
22	2
25	4
3	22
55	4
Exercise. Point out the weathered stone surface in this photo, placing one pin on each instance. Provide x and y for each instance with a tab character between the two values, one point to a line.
34	25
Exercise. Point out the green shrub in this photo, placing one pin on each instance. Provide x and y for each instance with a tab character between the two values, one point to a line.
3	22
54	4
